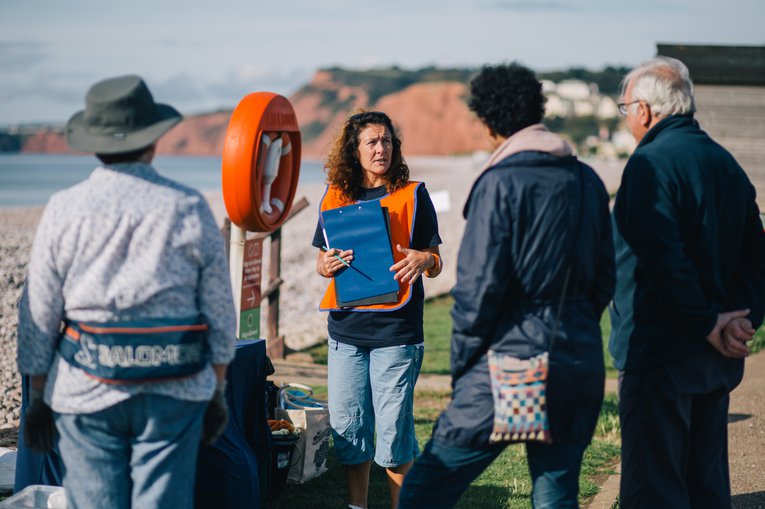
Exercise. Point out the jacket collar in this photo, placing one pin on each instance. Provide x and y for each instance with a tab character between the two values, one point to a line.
535	138
668	123
531	146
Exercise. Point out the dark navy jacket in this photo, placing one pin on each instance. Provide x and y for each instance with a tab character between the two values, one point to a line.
523	215
689	244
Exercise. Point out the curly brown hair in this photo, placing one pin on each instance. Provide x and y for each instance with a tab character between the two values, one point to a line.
507	98
343	168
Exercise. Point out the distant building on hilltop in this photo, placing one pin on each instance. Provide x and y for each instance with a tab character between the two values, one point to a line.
729	87
577	98
578	111
575	90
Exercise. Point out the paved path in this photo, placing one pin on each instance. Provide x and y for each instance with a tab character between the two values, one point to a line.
746	427
746	442
746	436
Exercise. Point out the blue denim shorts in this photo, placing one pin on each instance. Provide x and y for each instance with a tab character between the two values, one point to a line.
371	390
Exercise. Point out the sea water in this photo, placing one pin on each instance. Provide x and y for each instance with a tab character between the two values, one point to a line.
30	179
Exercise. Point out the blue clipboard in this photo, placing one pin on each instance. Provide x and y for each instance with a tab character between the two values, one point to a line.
363	227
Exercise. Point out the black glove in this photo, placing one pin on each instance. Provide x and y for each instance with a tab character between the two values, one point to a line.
39	428
216	415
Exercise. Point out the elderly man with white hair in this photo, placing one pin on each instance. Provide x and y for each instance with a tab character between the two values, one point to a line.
690	292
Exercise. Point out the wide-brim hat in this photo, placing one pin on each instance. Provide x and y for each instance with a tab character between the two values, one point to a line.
120	115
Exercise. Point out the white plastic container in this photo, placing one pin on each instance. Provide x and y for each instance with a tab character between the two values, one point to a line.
7	470
36	496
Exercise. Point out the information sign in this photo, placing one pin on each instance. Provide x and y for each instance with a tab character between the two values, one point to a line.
252	265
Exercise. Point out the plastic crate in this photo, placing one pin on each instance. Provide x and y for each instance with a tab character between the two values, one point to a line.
36	496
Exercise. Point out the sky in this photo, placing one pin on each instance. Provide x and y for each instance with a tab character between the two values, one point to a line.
205	56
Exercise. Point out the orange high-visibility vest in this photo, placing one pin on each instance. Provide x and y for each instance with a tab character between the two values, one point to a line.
402	205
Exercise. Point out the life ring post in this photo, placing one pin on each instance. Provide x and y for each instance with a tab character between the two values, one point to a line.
260	172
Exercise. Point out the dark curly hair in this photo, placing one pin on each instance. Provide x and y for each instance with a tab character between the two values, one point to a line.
343	167
507	98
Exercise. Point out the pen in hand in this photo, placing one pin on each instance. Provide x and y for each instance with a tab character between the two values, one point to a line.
324	248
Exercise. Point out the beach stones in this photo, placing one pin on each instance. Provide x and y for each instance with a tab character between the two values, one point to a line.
14	257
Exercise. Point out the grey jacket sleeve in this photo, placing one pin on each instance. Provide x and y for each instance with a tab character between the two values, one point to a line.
41	308
602	289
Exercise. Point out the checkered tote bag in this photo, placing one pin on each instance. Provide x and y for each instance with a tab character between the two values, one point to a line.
519	386
519	389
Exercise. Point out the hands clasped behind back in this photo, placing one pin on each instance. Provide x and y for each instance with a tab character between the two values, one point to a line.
736	334
731	333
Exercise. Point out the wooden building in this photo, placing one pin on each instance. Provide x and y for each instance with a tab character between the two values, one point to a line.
729	87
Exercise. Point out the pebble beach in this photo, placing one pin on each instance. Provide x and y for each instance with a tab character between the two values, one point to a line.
300	321
16	235
448	180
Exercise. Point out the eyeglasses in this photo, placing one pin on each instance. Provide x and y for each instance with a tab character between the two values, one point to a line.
623	106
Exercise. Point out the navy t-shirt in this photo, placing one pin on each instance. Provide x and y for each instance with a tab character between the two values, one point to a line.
388	328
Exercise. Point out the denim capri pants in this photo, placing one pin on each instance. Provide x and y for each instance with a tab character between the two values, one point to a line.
372	390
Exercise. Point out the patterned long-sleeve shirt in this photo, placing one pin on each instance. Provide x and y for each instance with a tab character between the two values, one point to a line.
125	244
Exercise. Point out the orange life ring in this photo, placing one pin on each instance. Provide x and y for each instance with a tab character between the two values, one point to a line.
261	162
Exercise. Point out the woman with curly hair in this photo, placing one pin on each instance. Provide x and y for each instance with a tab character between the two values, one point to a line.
535	272
375	350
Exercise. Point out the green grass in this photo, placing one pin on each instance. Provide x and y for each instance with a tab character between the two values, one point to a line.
505	484
758	343
605	332
437	328
318	353
438	332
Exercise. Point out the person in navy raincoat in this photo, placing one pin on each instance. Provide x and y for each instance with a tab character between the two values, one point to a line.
523	214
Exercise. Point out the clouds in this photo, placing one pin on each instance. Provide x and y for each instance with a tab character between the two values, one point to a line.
21	55
53	97
530	5
42	85
585	6
200	57
195	93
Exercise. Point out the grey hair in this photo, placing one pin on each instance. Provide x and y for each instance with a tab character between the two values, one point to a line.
665	84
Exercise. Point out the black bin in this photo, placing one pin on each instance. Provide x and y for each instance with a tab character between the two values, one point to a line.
281	459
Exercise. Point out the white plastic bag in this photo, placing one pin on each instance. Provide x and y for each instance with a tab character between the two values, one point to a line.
297	405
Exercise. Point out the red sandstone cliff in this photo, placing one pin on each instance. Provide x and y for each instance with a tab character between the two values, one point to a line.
432	118
45	142
198	135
